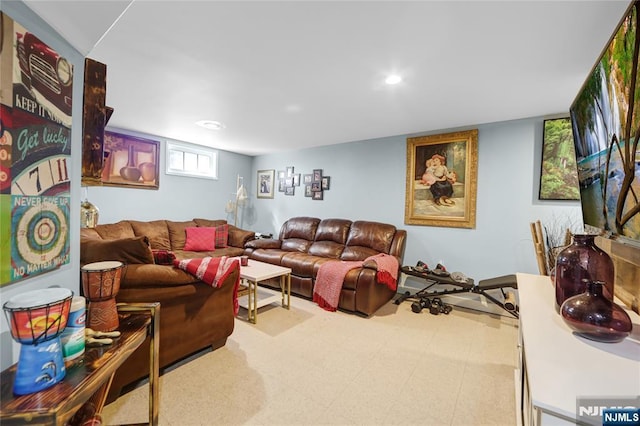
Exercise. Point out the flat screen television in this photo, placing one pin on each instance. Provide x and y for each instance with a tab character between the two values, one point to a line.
605	118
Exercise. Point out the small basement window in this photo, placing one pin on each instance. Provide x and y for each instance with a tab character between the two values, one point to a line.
191	160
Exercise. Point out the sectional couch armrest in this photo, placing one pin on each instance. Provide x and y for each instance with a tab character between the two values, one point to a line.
264	244
239	237
370	264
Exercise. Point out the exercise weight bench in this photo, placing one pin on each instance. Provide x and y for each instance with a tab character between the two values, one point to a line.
468	286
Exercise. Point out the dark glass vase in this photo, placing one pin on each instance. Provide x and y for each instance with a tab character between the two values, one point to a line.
582	260
593	316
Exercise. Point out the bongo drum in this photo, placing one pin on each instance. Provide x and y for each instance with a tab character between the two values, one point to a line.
100	285
36	319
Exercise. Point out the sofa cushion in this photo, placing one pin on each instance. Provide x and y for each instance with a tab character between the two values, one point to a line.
89	234
222	235
112	231
330	238
228	251
368	238
326	249
296	244
177	233
143	275
200	239
273	256
126	250
163	257
302	264
222	230
209	222
156	230
239	237
263	243
303	228
335	230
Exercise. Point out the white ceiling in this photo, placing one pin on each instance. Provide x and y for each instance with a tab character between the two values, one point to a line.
295	74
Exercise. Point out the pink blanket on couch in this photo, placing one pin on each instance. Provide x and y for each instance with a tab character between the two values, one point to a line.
326	291
213	271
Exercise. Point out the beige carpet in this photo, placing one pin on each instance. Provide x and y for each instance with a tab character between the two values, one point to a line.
306	366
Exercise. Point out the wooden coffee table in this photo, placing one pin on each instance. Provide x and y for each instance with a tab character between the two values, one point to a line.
252	275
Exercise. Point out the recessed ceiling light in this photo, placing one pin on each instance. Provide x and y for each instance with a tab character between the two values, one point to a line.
210	124
393	79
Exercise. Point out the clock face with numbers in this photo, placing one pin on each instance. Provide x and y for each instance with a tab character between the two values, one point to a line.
46	177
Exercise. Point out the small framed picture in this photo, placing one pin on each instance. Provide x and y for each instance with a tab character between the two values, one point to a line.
316	186
317	175
281	185
282	174
288	181
326	182
317	195
290	190
290	171
265	183
296	179
307	191
306	179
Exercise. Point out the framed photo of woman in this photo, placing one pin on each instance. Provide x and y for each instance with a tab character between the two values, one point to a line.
266	183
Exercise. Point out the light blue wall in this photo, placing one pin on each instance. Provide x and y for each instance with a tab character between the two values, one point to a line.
368	183
67	276
178	198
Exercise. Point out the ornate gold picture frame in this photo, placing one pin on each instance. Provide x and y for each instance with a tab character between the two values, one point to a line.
441	186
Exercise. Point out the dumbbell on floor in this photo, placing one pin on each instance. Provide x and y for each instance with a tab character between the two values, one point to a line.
419	305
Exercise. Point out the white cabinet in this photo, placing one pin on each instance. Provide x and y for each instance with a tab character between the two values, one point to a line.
557	367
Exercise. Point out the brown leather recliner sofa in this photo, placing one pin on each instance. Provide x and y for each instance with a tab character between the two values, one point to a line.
193	315
305	243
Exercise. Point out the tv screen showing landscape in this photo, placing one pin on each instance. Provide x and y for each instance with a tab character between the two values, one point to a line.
606	127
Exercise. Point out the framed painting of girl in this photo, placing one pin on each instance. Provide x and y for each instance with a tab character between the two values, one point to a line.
441	181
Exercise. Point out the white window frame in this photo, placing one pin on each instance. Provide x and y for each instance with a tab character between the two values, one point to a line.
201	153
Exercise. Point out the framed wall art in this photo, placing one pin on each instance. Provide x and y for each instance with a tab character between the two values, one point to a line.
558	172
35	155
326	183
441	180
130	161
266	183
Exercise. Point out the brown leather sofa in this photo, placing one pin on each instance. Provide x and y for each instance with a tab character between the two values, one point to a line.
193	315
305	243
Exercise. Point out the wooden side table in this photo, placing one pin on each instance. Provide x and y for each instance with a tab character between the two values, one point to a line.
83	391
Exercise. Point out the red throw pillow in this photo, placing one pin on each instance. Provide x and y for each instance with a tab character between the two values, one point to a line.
200	239
163	257
222	235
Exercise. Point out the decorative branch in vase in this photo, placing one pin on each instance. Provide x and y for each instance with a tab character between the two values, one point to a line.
558	234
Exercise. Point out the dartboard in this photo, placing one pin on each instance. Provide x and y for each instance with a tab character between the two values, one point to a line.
41	233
